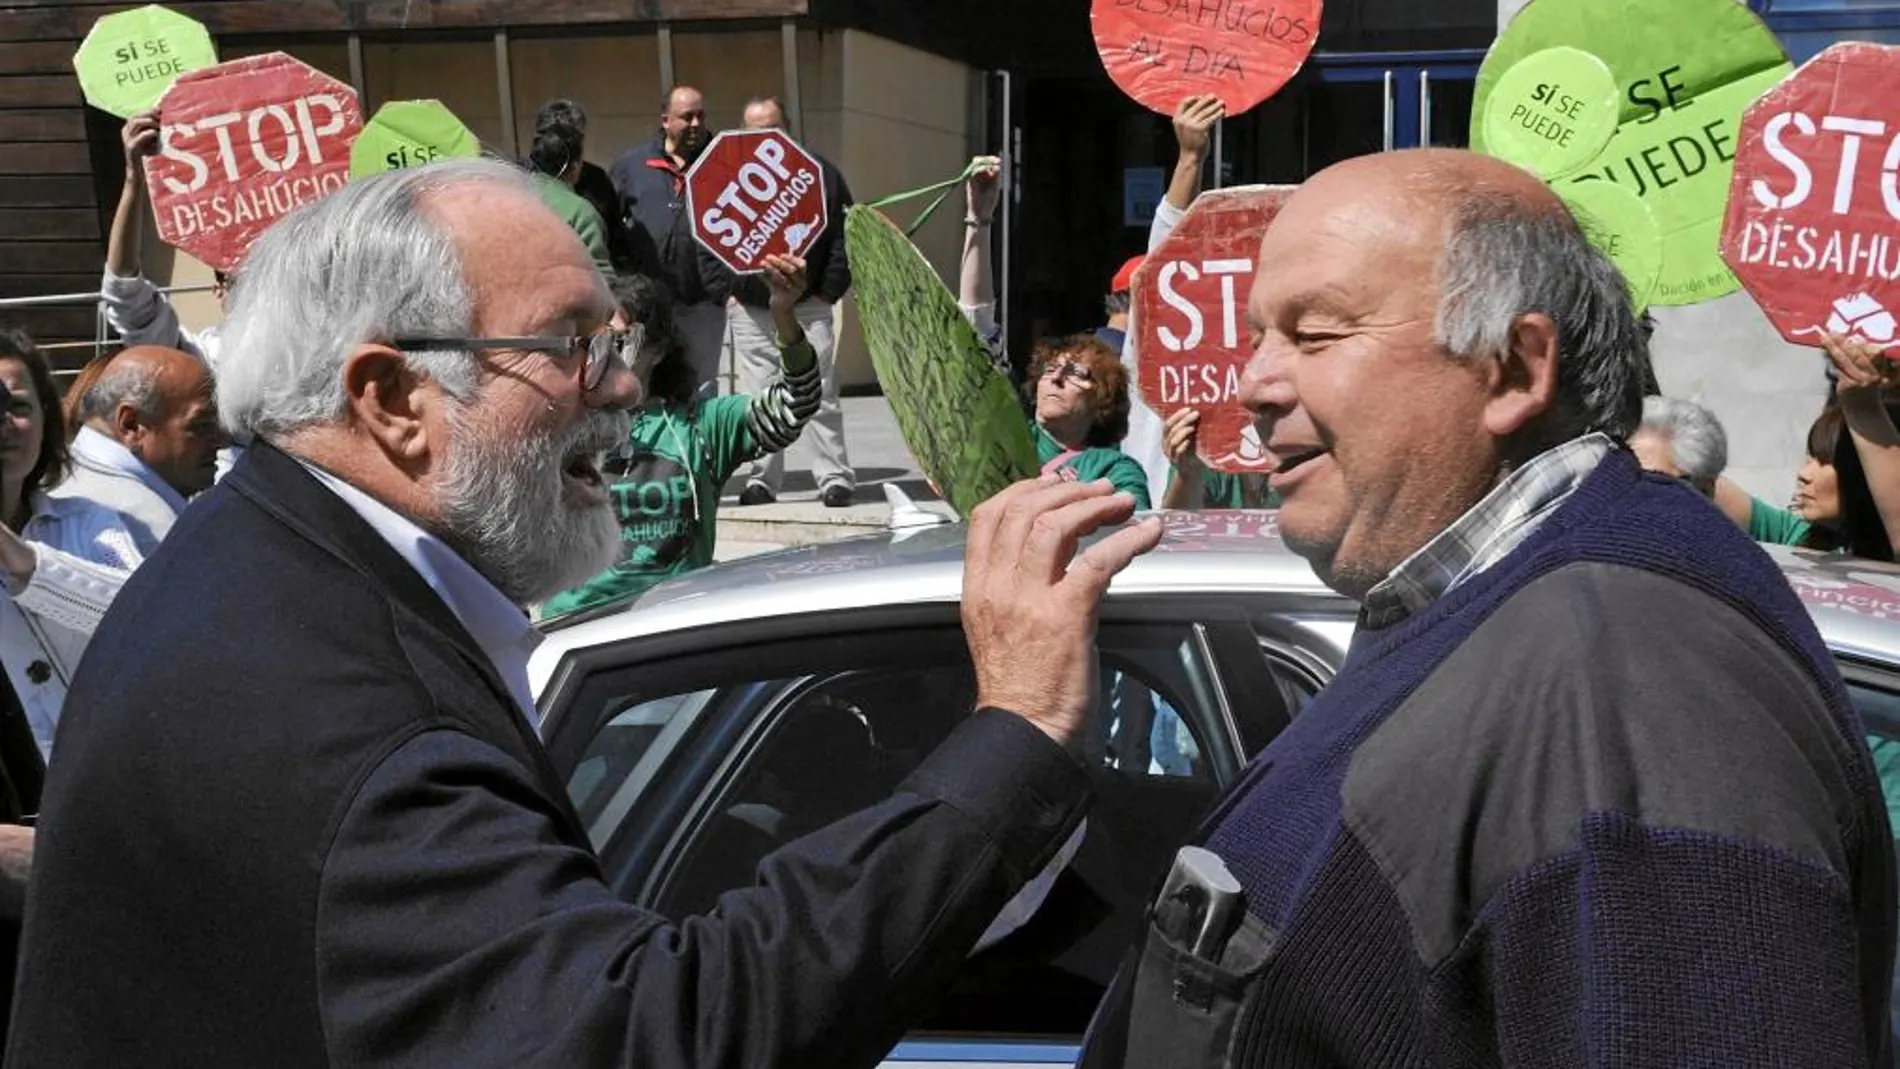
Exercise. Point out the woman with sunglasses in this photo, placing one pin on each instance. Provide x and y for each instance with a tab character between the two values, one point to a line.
1080	395
667	478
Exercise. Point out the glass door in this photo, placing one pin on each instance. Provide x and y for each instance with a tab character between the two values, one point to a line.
1391	100
1354	104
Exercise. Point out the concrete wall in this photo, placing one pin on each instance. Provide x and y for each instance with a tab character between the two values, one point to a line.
1725	355
616	79
903	123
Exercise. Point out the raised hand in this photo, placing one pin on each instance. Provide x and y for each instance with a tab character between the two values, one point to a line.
785	276
1861	364
1194	122
1180	436
1031	601
139	137
984	187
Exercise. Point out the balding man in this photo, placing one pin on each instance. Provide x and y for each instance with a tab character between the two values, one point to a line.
148	440
651	181
755	351
301	816
1589	790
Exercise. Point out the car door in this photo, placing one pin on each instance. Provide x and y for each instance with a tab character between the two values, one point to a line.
1874	686
691	757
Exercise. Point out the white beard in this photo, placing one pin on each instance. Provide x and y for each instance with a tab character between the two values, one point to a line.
503	510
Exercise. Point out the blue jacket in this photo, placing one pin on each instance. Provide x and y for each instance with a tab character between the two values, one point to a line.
653	209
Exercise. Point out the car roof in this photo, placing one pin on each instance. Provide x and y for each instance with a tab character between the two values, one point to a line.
1855	603
1236	551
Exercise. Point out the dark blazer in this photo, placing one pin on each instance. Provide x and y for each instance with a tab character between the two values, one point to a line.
297	820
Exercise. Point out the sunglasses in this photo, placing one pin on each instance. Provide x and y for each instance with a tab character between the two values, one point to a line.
595	350
1069	369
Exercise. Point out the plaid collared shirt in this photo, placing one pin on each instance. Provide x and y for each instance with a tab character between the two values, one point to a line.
1487	533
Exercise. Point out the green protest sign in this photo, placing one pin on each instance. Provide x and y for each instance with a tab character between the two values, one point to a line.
1553	112
958	414
1684	70
410	133
1620	223
128	60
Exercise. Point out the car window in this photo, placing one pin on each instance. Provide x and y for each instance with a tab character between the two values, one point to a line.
622	758
792	736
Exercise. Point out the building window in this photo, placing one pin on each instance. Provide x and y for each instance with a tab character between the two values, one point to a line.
1808	26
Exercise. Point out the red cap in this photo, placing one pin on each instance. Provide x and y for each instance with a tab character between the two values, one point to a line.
1125	278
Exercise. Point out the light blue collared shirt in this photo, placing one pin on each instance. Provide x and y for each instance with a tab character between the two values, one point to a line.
498	625
103	451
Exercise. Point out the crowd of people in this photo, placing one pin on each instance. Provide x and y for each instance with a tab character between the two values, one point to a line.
286	565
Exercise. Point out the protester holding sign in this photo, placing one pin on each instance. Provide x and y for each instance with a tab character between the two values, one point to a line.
755	355
133	306
1194	485
1194	123
1077	386
1847	493
667	476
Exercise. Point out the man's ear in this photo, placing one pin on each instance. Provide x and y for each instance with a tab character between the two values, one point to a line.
388	401
128	424
1523	380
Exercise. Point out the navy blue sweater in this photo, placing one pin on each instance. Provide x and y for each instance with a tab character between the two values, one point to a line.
1604	804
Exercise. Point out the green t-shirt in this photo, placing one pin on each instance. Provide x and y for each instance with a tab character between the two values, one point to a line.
580	214
1777	527
666	493
1097	462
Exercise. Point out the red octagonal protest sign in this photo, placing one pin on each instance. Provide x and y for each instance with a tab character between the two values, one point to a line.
241	145
1190	301
1160	51
753	194
1813	225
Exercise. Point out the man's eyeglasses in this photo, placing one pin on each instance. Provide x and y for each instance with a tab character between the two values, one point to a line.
1069	369
597	350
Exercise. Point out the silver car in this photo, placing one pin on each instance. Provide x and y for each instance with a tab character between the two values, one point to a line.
742	706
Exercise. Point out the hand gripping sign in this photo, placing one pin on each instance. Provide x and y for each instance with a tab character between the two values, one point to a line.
128	60
753	194
1160	51
1190	300
1813	226
242	145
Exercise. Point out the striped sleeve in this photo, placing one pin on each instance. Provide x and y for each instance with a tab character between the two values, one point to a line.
777	415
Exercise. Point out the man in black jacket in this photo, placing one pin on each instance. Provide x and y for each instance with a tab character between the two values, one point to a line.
651	181
754	348
301	817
